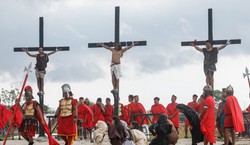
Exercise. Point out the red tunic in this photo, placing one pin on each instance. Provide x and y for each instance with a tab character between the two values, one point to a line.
208	120
233	114
138	108
158	109
85	114
127	114
66	125
172	111
17	119
122	113
196	108
98	114
109	113
5	116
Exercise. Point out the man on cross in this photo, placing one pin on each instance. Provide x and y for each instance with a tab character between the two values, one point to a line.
41	63
117	53
210	59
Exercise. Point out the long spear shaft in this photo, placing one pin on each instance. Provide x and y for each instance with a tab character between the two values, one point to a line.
18	100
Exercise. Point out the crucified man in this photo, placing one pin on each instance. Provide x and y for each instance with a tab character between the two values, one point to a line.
117	53
41	64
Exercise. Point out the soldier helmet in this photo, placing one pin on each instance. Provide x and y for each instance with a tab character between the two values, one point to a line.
208	88
66	88
230	89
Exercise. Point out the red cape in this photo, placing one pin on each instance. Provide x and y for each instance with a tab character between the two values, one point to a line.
52	141
237	116
6	116
171	110
138	108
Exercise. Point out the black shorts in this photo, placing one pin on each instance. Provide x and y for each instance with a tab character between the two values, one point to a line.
209	69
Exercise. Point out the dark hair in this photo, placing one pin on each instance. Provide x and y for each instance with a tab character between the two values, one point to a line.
209	41
194	95
99	100
81	98
130	96
157	98
135	124
108	99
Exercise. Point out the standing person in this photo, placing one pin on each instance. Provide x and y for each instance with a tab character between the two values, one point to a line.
121	113
32	114
157	108
17	118
138	108
194	105
41	63
98	111
108	111
117	53
127	110
207	116
5	115
86	115
233	116
67	116
220	113
101	136
210	59
174	115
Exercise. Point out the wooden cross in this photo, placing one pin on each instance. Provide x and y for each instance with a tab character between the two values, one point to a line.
41	44
112	44
210	35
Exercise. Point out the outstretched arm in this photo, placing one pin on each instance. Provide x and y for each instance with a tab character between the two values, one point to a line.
104	46
196	47
130	46
52	52
224	45
27	52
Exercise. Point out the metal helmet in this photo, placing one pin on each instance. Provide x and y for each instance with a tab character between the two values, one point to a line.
27	88
230	89
66	88
208	88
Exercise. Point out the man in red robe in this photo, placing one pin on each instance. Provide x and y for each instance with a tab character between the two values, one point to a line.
86	115
127	110
173	113
17	118
157	108
67	116
194	105
138	108
233	116
207	116
98	111
122	115
108	111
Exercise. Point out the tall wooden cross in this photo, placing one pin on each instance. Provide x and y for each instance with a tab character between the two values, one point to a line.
41	44
210	35
112	44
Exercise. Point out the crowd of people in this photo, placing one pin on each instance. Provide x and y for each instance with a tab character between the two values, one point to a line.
126	128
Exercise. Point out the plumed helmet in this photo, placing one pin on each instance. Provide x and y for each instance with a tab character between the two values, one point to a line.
66	88
27	88
230	89
208	88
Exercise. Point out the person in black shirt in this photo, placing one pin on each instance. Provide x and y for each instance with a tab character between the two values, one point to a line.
41	64
210	59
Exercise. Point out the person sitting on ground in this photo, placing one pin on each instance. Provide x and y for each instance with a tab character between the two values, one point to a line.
138	136
129	137
161	129
101	136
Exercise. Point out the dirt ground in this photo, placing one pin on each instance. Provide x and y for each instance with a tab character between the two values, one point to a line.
81	142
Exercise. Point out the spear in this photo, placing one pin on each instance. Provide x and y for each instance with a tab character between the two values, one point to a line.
246	74
27	70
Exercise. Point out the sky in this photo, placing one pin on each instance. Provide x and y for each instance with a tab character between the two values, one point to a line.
162	68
